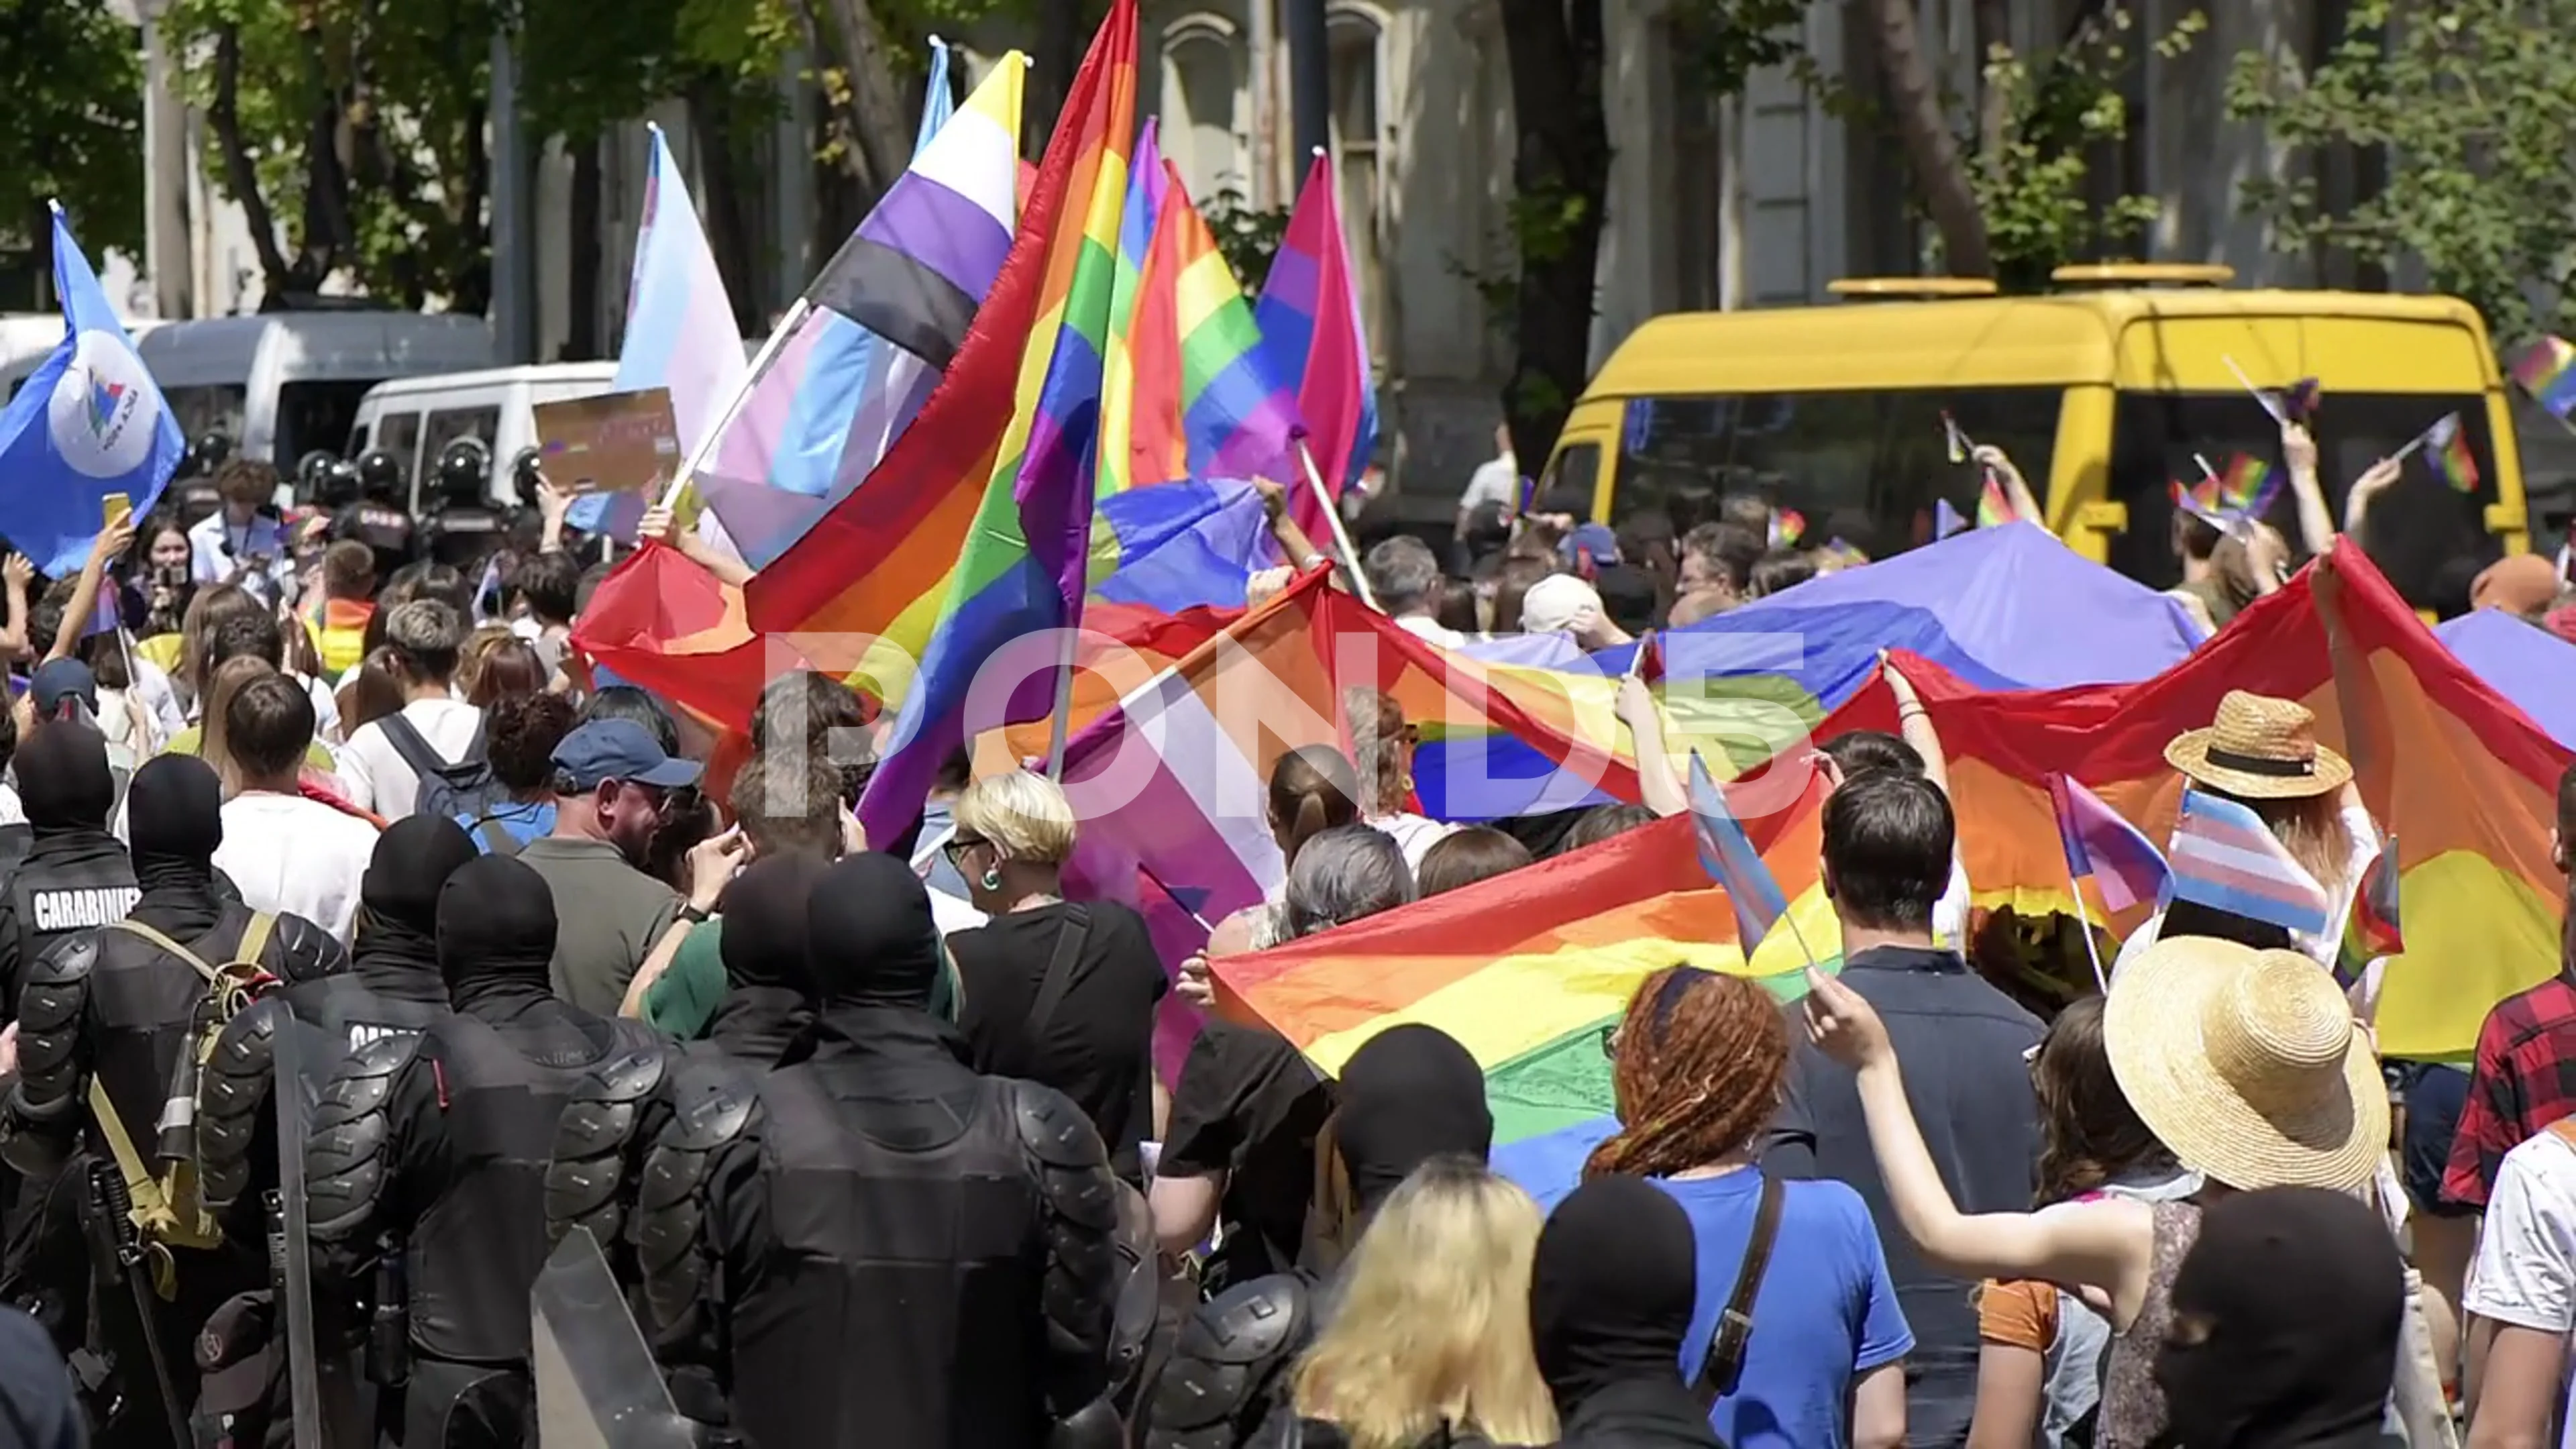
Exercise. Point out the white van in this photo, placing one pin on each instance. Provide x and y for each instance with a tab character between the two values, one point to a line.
415	418
281	384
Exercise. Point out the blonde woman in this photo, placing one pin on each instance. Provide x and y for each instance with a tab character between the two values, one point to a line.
1429	1343
1056	993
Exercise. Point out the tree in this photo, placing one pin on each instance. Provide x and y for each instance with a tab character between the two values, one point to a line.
73	126
2013	197
2469	104
1248	236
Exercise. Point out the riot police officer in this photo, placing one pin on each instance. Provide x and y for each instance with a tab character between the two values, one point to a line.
842	1324
128	1007
427	1161
391	988
76	875
462	529
1409	1094
378	517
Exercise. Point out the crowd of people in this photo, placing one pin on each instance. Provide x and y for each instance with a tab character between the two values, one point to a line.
360	942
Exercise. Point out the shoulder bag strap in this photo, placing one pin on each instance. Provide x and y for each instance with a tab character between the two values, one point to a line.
1725	1361
195	961
1059	972
496	837
409	743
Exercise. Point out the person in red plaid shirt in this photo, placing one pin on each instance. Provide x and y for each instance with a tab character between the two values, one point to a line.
2525	1077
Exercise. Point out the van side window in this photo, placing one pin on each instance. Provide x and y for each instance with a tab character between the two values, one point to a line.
399	434
1869	467
444	427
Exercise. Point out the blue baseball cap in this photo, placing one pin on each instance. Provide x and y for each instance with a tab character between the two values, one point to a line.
620	749
59	680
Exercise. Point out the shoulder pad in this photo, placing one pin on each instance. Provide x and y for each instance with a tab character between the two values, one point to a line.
1229	1356
671	1248
1054	1129
349	1154
710	1108
229	1094
594	1141
69	959
306	952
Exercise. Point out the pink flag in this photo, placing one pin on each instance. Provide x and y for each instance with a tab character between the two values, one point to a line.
1309	315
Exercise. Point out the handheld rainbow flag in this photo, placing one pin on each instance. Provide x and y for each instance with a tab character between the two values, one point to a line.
2103	847
2446	447
1730	860
2371	931
2547	370
2200	500
2225	858
2249	486
1145	192
1788	525
1207	401
1993	504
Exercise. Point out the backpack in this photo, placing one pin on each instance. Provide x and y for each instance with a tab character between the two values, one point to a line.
167	1207
466	788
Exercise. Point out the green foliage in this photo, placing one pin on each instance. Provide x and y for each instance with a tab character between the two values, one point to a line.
2032	181
73	126
1248	236
1728	40
2469	104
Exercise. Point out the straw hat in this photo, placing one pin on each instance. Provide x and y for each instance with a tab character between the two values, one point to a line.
2247	1065
2260	748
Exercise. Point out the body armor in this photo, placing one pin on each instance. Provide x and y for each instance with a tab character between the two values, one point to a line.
69	882
1228	1373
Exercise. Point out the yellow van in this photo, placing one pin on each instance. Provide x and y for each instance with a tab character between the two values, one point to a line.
2102	393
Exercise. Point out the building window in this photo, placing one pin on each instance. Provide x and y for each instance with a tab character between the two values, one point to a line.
1356	41
1202	80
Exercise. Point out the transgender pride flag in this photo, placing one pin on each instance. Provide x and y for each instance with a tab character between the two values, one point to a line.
680	331
1309	316
2226	858
874	332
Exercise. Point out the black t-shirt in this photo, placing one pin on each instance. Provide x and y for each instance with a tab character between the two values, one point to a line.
1249	1105
1098	1048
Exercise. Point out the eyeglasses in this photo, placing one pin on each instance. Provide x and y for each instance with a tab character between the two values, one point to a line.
957	847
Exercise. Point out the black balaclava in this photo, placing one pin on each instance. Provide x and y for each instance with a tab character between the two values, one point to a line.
63	780
174	819
496	928
1409	1094
1611	1290
398	897
769	983
2286	1315
870	935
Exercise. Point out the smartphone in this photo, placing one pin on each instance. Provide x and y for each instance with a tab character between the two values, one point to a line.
116	508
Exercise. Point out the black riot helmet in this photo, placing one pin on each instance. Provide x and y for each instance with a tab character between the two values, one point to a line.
380	477
338	487
206	455
526	470
464	470
311	469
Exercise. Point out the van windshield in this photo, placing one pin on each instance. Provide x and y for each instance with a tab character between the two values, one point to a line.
313	415
1867	467
2429	538
214	408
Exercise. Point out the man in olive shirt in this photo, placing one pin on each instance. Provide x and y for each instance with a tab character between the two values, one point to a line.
611	781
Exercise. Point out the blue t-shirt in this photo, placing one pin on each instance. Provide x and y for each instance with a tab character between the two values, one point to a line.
521	823
1827	1312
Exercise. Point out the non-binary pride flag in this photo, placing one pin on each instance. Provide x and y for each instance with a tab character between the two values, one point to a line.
88	423
880	322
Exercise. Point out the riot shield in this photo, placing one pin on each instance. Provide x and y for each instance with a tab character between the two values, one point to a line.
597	1385
291	1257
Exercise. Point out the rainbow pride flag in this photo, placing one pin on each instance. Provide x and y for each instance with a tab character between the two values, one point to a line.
1310	324
2248	487
975	529
1145	188
1994	506
1530	969
2547	370
2446	447
1208	403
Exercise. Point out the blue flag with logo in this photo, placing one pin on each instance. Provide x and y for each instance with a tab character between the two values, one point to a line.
88	423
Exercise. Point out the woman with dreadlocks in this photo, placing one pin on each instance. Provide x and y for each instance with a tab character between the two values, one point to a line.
1796	1338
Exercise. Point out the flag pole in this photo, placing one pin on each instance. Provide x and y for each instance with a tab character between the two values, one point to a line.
1060	723
1333	520
761	362
2084	918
